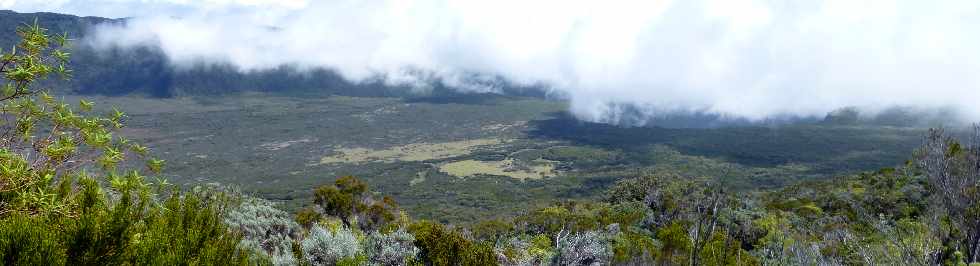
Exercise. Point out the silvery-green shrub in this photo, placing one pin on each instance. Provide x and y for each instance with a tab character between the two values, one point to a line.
395	248
588	248
524	250
323	247
265	229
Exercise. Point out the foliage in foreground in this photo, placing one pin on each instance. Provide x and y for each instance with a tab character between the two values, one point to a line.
184	229
54	160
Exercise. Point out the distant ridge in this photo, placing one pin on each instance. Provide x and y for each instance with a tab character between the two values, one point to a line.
147	71
76	26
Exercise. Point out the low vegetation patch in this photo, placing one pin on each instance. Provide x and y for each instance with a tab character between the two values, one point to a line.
410	153
536	169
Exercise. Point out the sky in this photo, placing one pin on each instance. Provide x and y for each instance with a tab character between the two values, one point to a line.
748	59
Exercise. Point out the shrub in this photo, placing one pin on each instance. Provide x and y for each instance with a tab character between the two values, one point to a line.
439	245
492	229
265	229
184	229
395	248
629	246
588	248
524	250
307	217
26	241
323	247
188	228
676	243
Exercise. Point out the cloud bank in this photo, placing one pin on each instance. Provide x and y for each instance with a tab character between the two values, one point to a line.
746	59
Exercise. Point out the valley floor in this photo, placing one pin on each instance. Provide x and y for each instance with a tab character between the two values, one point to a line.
457	160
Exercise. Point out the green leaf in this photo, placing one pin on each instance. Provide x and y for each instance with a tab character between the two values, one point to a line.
155	165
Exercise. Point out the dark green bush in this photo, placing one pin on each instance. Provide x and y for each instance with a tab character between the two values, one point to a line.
444	246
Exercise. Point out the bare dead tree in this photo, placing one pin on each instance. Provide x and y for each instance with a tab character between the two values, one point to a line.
953	173
706	213
660	203
974	193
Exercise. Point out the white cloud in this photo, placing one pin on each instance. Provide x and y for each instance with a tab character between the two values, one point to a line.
142	8
747	58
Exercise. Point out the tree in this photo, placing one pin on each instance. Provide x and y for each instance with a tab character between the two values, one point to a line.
343	199
349	200
704	213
